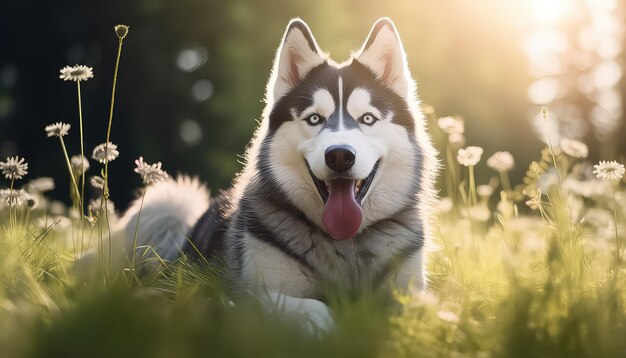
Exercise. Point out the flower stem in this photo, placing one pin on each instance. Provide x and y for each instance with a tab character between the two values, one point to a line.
82	166
12	220
105	190
106	159
69	166
143	196
618	254
506	183
75	186
559	175
472	186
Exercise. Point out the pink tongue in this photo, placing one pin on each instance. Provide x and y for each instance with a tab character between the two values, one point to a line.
342	215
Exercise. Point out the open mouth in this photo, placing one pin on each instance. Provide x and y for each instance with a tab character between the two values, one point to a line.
342	197
361	186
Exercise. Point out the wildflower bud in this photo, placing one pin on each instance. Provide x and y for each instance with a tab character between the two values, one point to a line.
121	31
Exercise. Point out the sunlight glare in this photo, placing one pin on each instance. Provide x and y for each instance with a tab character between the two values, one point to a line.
550	11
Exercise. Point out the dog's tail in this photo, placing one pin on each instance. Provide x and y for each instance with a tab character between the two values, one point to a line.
166	215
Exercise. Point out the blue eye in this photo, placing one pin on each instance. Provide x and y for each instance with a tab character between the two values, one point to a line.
314	119
368	119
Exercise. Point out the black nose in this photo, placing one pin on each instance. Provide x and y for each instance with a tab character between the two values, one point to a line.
340	158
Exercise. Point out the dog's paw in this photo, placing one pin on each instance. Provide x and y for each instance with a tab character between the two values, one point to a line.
318	316
314	315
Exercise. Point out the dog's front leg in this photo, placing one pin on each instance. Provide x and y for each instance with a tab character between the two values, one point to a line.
316	315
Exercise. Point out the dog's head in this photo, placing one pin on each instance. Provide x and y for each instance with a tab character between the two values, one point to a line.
343	141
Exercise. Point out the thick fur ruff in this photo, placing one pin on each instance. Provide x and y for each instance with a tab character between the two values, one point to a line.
269	231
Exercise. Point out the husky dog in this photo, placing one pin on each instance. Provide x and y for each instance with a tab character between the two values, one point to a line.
337	188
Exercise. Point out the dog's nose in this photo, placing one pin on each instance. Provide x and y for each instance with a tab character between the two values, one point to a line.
340	158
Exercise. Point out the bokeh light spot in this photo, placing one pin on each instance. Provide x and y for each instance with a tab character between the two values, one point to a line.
190	59
202	90
190	132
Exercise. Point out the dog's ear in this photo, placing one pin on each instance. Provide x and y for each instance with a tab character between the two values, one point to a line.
296	56
383	53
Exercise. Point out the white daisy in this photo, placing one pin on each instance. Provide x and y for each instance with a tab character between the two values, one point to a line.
574	148
469	155
97	182
58	129
76	73
501	161
609	170
13	198
105	152
80	164
14	168
150	173
40	185
451	125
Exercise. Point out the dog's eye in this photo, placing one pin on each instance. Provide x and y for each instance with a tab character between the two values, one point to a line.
368	119
314	119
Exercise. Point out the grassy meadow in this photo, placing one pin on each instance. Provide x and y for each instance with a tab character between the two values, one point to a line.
528	269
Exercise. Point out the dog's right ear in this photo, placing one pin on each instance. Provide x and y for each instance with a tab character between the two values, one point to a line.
296	56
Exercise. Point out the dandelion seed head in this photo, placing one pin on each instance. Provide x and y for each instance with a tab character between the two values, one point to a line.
58	129
13	198
574	148
97	182
121	31
40	185
609	170
469	155
14	168
150	173
105	152
76	73
451	125
79	164
501	161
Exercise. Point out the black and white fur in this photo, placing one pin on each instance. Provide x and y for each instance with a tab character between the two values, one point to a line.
267	229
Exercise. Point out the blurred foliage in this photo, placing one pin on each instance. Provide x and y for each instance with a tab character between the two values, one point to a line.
467	58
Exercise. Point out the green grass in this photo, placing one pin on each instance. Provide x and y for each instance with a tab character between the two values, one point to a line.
513	286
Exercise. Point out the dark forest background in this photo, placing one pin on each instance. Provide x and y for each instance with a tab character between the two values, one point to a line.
193	73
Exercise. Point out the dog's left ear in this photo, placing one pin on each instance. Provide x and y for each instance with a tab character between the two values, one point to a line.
296	56
383	53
